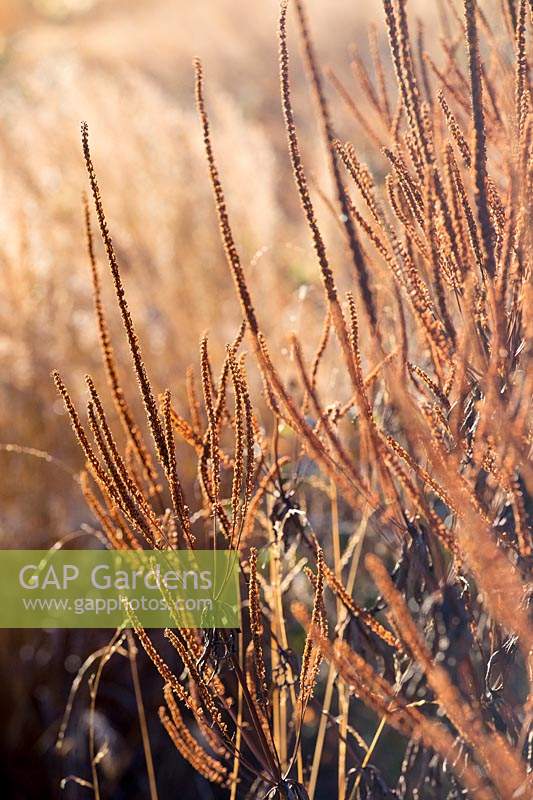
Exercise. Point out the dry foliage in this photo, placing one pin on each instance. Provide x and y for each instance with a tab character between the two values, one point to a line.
420	457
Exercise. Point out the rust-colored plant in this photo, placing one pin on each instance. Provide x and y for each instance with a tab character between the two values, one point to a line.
420	456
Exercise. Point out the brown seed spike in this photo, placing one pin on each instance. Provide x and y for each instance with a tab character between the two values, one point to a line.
402	59
480	138
96	468
311	656
140	369
305	198
123	409
329	136
180	509
294	150
230	248
213	428
256	628
522	74
455	130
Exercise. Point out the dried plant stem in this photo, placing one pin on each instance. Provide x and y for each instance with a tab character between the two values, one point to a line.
313	69
382	698
489	748
321	735
132	655
140	369
131	429
480	139
305	198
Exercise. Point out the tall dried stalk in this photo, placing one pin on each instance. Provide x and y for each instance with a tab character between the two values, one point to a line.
404	449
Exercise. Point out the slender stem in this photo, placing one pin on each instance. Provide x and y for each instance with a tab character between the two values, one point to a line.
267	751
317	757
132	653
